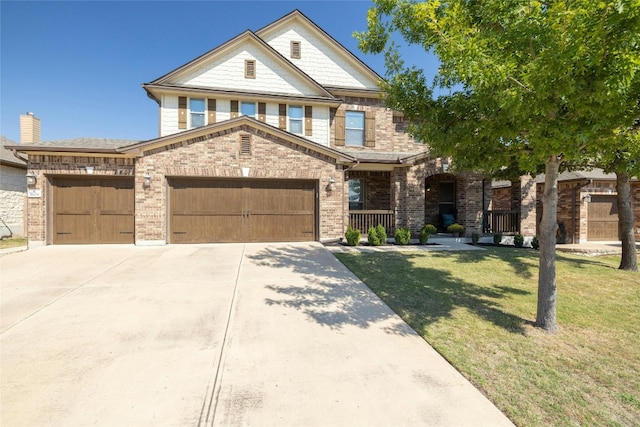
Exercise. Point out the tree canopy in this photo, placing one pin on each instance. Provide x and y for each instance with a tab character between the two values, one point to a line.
533	78
532	84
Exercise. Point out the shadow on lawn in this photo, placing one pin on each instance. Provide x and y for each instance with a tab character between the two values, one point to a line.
328	293
423	295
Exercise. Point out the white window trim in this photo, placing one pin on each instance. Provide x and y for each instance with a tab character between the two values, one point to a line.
189	113
346	128
302	119
255	108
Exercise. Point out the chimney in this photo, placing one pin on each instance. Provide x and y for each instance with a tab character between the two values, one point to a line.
29	128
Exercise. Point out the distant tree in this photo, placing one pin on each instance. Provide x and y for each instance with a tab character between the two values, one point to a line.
521	84
624	161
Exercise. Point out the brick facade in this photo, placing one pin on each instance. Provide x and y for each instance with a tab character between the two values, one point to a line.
390	133
47	166
218	155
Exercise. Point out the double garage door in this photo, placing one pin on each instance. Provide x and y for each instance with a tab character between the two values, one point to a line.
93	210
218	210
101	210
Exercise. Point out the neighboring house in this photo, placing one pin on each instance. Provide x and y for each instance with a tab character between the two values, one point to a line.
13	191
275	135
587	205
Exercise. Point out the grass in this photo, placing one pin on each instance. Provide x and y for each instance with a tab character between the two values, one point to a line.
477	309
13	242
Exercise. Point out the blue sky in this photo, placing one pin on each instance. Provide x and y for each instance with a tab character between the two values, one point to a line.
79	65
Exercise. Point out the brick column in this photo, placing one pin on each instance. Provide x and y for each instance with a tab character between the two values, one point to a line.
470	202
527	203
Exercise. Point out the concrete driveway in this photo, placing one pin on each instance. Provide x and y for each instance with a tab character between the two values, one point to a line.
228	335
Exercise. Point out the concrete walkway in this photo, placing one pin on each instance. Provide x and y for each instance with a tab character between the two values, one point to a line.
224	335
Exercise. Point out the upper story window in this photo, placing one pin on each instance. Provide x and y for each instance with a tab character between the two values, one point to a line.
248	109
295	49
249	69
354	128
295	119
196	109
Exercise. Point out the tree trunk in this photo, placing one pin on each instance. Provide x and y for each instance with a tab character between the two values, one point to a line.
546	316
626	223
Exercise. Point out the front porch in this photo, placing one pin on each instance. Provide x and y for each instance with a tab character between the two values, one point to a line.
414	196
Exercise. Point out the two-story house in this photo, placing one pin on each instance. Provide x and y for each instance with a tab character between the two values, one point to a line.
275	135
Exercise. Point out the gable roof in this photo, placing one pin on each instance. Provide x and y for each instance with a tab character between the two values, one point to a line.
129	148
297	16
6	154
169	80
238	122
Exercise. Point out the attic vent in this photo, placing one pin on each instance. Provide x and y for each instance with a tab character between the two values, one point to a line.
295	49
249	69
245	145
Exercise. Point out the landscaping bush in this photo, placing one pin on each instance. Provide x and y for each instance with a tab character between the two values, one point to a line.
535	243
426	232
382	234
455	228
497	239
403	236
353	236
475	238
518	240
377	235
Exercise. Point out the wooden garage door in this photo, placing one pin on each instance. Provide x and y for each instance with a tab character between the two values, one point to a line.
93	210
602	218
212	211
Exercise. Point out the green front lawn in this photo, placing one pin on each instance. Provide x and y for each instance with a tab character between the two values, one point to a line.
477	309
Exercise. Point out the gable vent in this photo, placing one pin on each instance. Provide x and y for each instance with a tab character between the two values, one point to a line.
245	145
249	69
295	50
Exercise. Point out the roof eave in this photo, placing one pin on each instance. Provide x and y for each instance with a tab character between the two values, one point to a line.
156	89
140	148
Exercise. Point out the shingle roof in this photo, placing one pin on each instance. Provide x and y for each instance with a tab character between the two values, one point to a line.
380	156
595	173
6	155
85	143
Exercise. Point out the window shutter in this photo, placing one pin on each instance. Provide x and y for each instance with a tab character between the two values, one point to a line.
282	116
295	49
308	120
182	112
234	109
370	128
211	109
340	127
245	145
262	111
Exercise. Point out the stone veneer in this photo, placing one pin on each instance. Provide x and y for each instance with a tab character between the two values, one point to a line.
13	195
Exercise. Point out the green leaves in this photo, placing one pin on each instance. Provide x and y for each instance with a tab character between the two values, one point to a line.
532	79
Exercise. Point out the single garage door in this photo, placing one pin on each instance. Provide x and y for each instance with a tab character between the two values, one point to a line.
93	210
603	218
225	211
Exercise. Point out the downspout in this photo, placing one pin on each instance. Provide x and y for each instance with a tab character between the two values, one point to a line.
15	153
575	221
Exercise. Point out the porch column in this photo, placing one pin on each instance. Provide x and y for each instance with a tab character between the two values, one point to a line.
523	193
470	202
407	197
